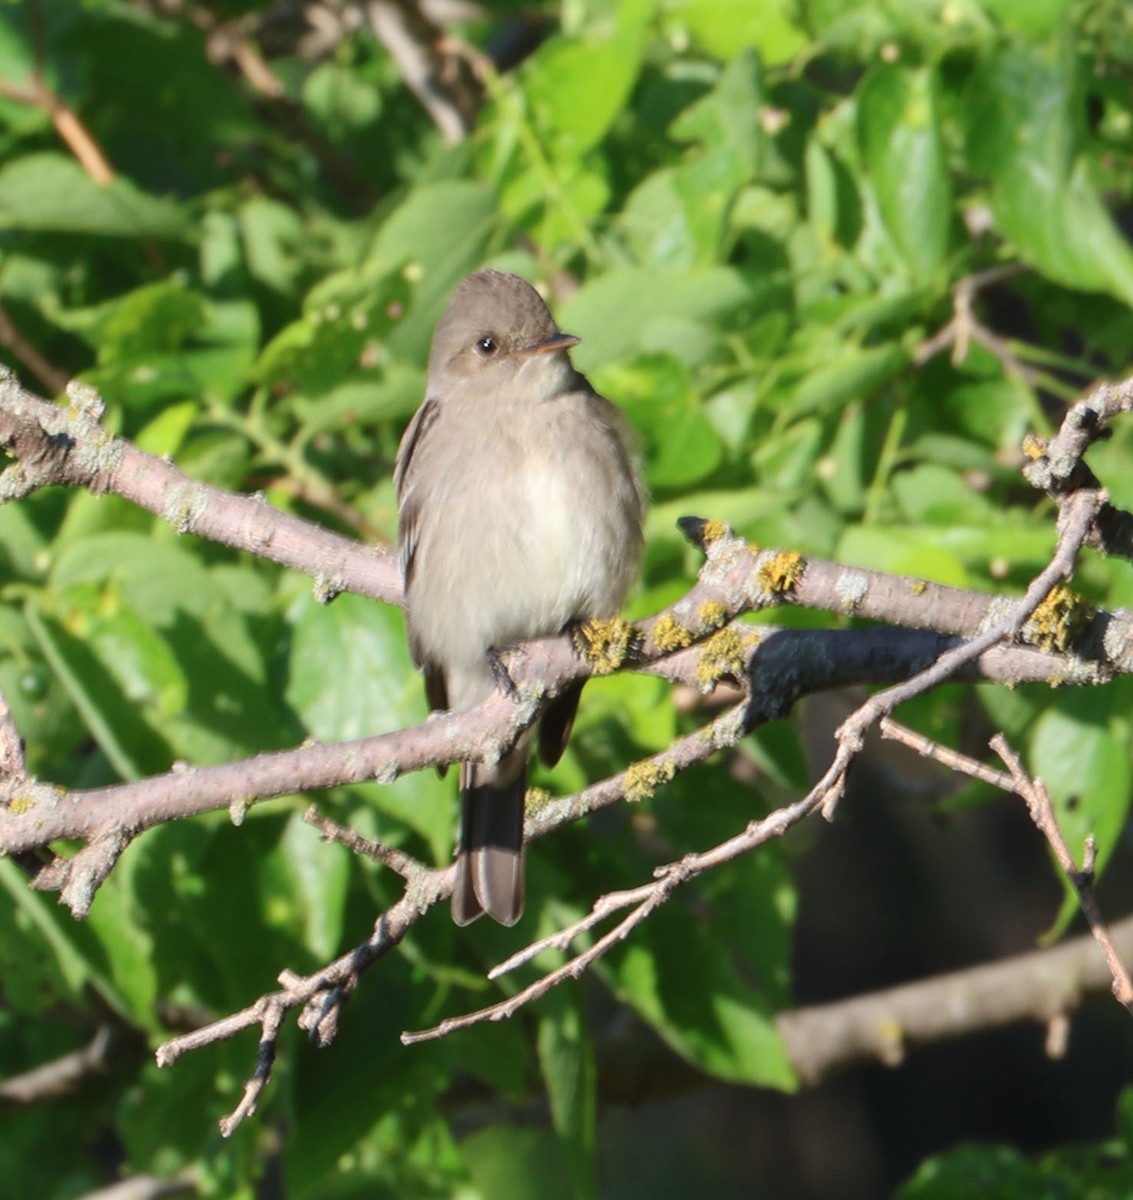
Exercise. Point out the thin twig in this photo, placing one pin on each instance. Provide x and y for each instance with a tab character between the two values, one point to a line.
331	831
255	1084
62	1075
945	755
445	89
1040	985
12	339
965	328
13	766
1042	813
82	145
1081	508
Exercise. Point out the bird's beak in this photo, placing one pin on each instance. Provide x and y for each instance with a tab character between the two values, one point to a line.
557	341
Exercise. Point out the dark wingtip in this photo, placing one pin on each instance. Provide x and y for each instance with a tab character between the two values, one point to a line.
489	876
465	907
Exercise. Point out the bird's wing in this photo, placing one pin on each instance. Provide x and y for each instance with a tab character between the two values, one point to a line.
409	501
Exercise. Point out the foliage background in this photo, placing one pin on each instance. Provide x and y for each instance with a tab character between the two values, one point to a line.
754	214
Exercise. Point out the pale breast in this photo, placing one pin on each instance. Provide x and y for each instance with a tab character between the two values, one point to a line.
533	521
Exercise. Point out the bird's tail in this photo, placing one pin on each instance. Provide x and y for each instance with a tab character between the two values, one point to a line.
489	872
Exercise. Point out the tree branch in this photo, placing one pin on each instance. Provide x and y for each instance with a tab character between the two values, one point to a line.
697	640
1039	986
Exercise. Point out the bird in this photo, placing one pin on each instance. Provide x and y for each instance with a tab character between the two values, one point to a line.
520	510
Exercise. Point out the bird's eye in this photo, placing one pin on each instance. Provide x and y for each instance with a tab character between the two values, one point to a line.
487	345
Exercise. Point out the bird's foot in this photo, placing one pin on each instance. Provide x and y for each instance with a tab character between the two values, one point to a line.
500	674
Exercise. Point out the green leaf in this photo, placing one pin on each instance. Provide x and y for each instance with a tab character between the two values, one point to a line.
522	1164
118	673
902	551
1025	129
567	1061
728	117
51	193
118	919
899	128
561	208
48	722
47	956
307	881
679	215
719	26
843	468
349	675
165	341
340	97
852	374
681	445
1037	19
164	434
697	1001
272	233
41	963
990	1172
598	311
160	316
932	494
437	235
230	708
571	113
1079	748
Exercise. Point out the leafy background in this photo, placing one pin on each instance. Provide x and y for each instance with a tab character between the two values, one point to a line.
754	214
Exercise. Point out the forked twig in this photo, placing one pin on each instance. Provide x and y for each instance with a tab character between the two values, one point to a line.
1042	813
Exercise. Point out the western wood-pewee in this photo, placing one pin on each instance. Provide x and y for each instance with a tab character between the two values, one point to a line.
520	514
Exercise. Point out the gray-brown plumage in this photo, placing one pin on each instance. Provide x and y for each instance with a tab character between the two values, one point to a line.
520	513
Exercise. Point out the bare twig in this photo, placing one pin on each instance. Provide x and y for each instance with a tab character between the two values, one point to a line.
12	764
1081	509
1042	985
1058	467
646	899
947	757
319	995
12	339
39	93
445	88
255	1084
63	1075
68	445
696	639
148	1187
1042	813
73	132
332	831
965	328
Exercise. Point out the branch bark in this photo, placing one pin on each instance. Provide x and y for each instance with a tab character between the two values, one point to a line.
942	632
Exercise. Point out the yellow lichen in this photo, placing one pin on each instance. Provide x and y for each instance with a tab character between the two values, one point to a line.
21	804
669	634
918	587
780	573
720	657
1060	618
644	778
604	643
711	614
537	798
712	531
1034	447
